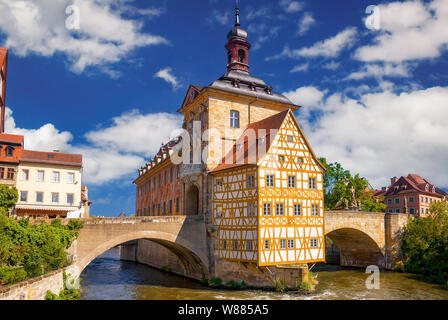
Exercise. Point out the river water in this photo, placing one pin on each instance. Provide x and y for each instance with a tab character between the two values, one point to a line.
108	278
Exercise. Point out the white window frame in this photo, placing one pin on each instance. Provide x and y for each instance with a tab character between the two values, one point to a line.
266	212
314	243
251	181
73	197
280	209
234	119
315	210
313	185
25	174
270	180
291	181
282	244
26	197
53	176
266	244
40	192
38	175
297	212
52	194
290	243
69	174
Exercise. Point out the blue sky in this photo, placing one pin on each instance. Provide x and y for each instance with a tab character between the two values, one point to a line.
373	100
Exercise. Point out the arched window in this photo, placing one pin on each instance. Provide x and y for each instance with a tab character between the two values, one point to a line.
229	57
241	56
234	119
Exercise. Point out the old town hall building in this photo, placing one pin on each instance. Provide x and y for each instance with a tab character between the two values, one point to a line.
259	186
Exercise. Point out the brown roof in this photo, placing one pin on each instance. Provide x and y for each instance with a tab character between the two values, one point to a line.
67	159
263	127
11	138
413	183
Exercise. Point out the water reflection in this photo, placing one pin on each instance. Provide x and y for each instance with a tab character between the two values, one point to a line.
108	278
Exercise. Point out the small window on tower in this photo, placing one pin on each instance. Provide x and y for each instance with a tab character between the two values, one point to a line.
241	56
229	57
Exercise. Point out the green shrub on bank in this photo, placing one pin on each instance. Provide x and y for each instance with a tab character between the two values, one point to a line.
215	282
28	251
279	286
305	286
425	243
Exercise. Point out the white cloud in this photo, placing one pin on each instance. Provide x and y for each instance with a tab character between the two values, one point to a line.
166	74
266	33
219	17
112	153
307	97
305	23
328	48
409	31
332	65
300	68
292	6
133	132
379	71
105	37
384	134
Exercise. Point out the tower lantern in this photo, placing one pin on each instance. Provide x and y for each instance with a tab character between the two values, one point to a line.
237	46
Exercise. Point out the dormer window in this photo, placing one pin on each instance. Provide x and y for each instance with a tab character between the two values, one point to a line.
427	188
433	189
234	119
9	151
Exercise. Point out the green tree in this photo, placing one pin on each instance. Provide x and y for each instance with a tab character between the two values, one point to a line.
425	243
338	183
8	198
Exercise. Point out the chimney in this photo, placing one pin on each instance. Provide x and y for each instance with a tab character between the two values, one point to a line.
393	180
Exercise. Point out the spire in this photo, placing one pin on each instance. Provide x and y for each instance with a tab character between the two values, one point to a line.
237	15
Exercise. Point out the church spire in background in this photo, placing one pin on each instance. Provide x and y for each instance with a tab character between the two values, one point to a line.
237	15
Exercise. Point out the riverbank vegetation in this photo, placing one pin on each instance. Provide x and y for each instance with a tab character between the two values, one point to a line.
425	245
28	251
338	183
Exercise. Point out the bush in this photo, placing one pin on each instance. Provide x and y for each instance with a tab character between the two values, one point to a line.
9	275
216	282
425	243
204	281
305	286
279	286
34	250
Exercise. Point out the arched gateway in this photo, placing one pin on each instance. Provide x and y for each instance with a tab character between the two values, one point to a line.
183	236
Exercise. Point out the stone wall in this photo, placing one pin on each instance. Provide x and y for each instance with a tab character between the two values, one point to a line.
34	289
156	256
291	275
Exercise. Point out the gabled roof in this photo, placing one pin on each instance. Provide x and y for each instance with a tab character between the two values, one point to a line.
192	89
413	183
267	129
11	139
67	159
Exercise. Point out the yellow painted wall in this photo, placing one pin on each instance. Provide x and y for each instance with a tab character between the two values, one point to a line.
301	228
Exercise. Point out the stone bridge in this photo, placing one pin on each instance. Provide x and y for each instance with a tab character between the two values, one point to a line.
366	238
185	237
182	243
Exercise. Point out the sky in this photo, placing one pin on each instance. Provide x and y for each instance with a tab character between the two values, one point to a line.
372	83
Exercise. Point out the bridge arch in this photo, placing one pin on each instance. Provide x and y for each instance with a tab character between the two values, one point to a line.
357	248
194	262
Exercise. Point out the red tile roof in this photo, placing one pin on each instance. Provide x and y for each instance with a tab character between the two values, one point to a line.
238	158
11	138
67	159
413	183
